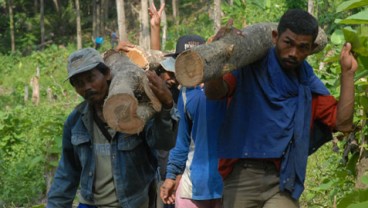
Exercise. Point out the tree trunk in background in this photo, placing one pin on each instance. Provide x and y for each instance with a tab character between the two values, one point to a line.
42	24
164	27
231	2
57	5
144	37
35	6
175	11
106	6
217	15
94	25
311	7
11	24
120	8
98	18
79	28
103	19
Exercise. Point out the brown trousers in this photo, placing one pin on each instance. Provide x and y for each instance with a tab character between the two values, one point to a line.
255	184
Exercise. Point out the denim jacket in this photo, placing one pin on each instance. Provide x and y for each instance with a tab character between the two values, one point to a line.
133	159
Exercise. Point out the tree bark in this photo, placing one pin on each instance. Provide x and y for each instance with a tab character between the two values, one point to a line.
42	24
217	15
311	7
98	18
144	37
57	5
130	102
11	24
79	28
94	25
175	11
164	27
232	51
104	15
121	20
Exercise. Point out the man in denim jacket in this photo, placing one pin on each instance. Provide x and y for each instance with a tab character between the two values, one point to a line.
112	169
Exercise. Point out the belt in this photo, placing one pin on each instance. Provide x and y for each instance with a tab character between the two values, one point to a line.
265	164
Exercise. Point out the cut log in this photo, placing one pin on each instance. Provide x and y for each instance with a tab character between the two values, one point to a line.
232	51
145	59
130	102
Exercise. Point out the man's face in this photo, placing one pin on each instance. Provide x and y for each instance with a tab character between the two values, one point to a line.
168	77
292	49
92	85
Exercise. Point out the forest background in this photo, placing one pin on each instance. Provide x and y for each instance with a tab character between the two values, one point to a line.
37	36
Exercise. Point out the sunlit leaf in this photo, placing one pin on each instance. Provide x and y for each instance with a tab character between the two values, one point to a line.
354	197
35	161
347	5
361	74
337	37
359	18
365	179
359	205
359	42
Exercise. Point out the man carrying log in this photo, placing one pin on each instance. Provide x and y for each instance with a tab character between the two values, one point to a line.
112	169
276	104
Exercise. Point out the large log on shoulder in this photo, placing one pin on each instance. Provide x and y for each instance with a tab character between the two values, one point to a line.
130	102
232	51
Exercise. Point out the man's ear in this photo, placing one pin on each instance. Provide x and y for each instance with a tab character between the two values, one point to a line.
275	36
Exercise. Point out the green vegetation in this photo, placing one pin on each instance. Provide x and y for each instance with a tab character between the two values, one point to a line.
30	135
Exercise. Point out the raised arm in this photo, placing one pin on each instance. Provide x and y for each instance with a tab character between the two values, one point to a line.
345	106
155	25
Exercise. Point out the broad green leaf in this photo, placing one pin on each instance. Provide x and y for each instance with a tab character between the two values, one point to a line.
325	186
365	179
355	19
36	160
363	63
359	205
347	5
54	163
337	37
353	197
358	41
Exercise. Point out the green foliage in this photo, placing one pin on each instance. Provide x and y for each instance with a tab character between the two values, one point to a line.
336	181
250	12
30	141
327	178
29	150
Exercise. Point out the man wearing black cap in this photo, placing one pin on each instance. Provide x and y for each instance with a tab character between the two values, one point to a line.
111	168
167	69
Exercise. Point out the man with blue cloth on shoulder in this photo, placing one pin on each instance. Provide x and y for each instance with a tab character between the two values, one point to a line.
277	105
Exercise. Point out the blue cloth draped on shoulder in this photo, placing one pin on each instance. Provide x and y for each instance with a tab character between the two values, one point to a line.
269	117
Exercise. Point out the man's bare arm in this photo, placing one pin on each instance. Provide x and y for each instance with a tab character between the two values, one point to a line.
345	106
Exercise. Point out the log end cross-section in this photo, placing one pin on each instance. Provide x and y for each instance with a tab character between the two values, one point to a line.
130	102
191	73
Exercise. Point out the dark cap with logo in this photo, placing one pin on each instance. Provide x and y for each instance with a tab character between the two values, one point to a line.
83	60
182	44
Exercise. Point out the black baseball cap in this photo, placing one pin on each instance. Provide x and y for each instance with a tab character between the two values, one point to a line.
186	42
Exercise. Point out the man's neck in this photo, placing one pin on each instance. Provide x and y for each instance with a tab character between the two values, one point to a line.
98	108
